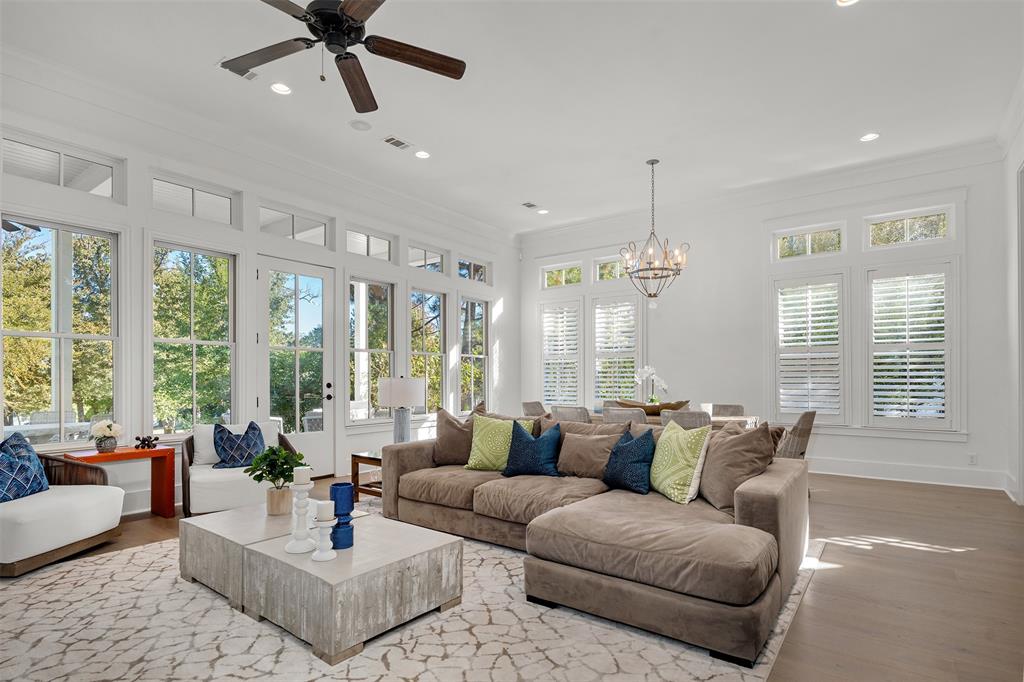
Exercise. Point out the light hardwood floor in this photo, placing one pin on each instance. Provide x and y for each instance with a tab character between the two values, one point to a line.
918	582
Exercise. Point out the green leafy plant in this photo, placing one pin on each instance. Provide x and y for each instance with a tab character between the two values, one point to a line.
275	464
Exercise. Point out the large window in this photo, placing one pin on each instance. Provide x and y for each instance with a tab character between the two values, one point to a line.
615	349
560	324
58	329
809	348
193	338
296	335
427	346
472	354
909	346
371	347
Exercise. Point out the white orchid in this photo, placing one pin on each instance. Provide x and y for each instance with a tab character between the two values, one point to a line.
659	383
644	374
106	429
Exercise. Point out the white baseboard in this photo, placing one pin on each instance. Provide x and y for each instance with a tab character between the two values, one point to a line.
968	477
137	501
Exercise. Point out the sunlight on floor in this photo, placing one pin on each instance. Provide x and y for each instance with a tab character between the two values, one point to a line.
817	564
870	541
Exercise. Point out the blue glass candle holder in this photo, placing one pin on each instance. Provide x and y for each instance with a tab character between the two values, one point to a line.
341	533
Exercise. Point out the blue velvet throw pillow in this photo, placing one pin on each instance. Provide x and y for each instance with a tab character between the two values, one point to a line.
529	456
629	466
237	450
21	471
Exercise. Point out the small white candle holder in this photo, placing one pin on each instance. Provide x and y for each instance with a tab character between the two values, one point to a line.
324	552
301	542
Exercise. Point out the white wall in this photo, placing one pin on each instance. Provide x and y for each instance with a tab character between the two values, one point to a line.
708	335
52	104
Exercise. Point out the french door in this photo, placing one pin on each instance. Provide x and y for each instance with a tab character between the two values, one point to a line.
296	342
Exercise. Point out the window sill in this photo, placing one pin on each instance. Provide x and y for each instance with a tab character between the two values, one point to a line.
880	432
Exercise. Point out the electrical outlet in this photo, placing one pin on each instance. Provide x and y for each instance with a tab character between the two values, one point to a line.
972	459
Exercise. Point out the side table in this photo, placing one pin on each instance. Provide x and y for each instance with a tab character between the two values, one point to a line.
161	486
370	487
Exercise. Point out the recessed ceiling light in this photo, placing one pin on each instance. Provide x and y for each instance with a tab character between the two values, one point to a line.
846	3
422	154
542	211
869	137
360	125
281	89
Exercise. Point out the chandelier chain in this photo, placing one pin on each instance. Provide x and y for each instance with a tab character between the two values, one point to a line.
652	197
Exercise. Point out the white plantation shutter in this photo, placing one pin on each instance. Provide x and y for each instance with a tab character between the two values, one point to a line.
809	357
615	349
560	324
909	351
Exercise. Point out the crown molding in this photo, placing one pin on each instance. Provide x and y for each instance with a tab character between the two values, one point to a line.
1013	119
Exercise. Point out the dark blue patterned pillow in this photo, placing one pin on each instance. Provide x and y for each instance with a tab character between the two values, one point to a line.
237	450
21	472
629	466
529	456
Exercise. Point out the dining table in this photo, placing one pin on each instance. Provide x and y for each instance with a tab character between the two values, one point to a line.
717	422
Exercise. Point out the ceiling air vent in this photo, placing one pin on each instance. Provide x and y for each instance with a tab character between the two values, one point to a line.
529	204
397	143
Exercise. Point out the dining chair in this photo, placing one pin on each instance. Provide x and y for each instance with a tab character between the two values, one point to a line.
621	415
570	413
794	444
688	419
534	409
726	410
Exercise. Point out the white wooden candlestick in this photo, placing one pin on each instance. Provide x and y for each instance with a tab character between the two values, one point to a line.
301	542
324	552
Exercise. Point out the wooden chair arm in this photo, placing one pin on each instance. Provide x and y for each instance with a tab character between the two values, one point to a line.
60	471
283	441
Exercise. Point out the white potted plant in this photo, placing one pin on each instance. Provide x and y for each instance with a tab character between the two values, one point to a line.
106	433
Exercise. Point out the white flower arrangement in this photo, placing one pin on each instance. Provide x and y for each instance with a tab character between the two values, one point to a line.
106	429
648	373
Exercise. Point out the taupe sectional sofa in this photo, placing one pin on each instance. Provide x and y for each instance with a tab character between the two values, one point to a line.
692	572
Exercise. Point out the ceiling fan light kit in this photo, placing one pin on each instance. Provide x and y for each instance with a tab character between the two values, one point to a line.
340	26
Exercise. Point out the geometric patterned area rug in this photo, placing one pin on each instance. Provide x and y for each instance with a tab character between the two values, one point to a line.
127	615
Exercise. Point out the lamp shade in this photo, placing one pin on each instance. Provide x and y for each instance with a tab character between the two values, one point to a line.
402	392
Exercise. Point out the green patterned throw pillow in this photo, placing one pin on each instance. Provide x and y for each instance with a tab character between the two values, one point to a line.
492	439
678	460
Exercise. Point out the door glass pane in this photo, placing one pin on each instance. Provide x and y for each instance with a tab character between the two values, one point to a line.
311	231
212	307
213	207
311	386
92	387
171	293
275	222
282	389
30	395
168	196
172	387
28	276
90	284
31	162
282	308
213	384
311	312
88	176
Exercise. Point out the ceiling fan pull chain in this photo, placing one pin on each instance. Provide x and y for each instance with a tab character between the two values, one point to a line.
323	78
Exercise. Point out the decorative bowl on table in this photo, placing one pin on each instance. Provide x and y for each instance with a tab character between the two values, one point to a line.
654	409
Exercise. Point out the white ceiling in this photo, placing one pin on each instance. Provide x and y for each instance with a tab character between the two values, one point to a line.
563	101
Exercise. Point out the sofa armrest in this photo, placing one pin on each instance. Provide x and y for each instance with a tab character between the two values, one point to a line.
776	502
398	460
60	471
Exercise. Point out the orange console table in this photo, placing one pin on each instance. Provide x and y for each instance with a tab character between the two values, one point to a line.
161	492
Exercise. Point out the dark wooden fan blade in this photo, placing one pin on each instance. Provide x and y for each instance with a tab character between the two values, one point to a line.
415	56
360	10
355	82
247	62
289	7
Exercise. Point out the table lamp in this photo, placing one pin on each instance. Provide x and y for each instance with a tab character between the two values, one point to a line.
401	394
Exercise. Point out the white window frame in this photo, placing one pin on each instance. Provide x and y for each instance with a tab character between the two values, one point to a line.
295	215
486	265
234	198
783	282
591	348
428	251
808	230
442	354
395	293
368	234
598	262
118	184
561	266
951	227
578	357
462	356
952	344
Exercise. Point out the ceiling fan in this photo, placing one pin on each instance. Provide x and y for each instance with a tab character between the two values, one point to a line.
340	25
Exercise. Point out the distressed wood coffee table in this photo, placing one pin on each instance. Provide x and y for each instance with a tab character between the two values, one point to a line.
210	546
393	573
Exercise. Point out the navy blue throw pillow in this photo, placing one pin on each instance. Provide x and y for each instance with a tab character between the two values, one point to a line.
629	466
529	456
237	450
21	471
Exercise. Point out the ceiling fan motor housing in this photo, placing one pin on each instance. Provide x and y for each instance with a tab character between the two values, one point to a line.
331	25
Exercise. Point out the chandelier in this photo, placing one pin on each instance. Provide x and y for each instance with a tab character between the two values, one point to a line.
654	266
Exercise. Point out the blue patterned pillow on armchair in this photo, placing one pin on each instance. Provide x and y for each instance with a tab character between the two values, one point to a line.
237	450
21	471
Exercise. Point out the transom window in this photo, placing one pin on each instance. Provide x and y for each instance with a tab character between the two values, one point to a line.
608	269
425	259
562	275
178	198
363	244
291	226
59	329
473	343
908	228
193	337
371	347
809	242
472	270
58	168
427	346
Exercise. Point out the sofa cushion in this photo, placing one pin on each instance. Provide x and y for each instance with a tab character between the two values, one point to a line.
213	489
492	439
203	451
56	517
629	466
454	439
524	498
693	549
640	429
583	429
734	455
585	455
21	471
529	456
678	462
449	486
